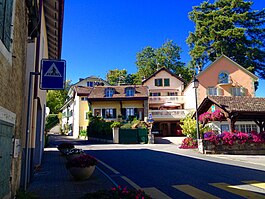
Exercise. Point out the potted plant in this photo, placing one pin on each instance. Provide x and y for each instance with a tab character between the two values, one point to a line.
73	153
65	147
82	167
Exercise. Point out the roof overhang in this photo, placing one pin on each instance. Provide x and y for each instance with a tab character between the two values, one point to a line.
53	13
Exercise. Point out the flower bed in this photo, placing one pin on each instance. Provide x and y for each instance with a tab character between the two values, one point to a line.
234	143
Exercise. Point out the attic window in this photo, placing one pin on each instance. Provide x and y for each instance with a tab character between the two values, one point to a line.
109	92
129	92
223	78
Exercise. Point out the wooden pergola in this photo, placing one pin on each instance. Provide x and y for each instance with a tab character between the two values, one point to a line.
237	109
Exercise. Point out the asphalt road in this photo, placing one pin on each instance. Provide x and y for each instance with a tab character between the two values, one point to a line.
169	175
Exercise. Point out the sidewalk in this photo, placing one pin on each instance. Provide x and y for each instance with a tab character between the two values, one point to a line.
52	180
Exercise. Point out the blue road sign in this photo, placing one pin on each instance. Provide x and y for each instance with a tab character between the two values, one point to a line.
52	74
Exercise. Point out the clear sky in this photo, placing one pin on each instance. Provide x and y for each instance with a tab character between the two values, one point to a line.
101	35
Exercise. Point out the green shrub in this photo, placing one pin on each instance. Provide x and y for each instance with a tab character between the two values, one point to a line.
115	125
51	121
83	133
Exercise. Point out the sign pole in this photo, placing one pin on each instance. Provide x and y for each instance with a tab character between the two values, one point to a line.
27	128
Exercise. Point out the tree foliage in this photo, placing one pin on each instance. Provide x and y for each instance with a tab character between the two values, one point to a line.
116	77
168	55
228	27
56	98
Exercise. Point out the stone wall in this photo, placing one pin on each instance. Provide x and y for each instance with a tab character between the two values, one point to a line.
236	148
12	80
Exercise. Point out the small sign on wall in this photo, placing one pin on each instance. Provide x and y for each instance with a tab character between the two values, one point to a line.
17	148
213	108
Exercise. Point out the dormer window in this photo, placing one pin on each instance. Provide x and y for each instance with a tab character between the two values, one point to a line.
129	92
223	78
109	92
158	82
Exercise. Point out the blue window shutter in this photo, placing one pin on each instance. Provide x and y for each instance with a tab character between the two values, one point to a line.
6	22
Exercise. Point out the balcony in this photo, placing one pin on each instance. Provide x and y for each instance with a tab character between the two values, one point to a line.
164	99
169	114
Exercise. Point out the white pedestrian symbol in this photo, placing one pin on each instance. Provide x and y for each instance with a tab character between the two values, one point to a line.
53	72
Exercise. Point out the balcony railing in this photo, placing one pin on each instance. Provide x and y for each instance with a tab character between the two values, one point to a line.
169	114
164	99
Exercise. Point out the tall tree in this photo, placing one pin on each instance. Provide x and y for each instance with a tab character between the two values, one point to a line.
117	77
168	55
56	98
228	27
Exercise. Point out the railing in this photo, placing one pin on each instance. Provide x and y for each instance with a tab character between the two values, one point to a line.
169	114
164	99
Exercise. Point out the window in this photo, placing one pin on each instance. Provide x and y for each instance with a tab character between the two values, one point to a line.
212	91
6	8
86	115
166	82
237	91
224	127
172	94
129	112
246	128
155	94
129	92
223	78
158	82
109	113
97	112
90	84
84	98
109	92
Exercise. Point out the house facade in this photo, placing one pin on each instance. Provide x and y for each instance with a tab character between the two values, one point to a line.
119	102
223	77
75	109
166	102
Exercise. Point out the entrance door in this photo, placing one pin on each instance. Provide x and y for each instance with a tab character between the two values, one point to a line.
6	134
164	129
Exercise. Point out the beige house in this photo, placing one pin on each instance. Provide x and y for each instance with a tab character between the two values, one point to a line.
114	103
30	30
166	102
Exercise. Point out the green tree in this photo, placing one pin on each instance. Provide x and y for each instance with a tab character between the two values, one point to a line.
56	98
228	27
168	55
116	77
189	126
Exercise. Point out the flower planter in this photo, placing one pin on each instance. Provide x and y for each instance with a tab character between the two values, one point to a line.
72	156
236	148
80	173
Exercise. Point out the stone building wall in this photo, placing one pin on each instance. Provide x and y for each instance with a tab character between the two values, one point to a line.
12	81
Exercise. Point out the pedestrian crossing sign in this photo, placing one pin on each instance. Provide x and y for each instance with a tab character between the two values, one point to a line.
52	74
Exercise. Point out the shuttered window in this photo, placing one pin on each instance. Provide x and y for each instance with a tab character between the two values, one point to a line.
6	8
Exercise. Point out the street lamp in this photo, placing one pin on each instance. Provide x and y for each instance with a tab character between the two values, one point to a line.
196	85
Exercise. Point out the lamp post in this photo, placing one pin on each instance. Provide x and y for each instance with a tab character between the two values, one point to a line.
195	86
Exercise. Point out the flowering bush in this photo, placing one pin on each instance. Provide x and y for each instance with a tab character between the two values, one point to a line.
215	116
230	138
189	143
118	193
83	160
205	117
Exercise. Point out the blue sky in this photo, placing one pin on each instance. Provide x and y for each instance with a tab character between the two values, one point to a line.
101	35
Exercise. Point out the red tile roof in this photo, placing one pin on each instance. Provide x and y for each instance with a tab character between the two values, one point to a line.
98	92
